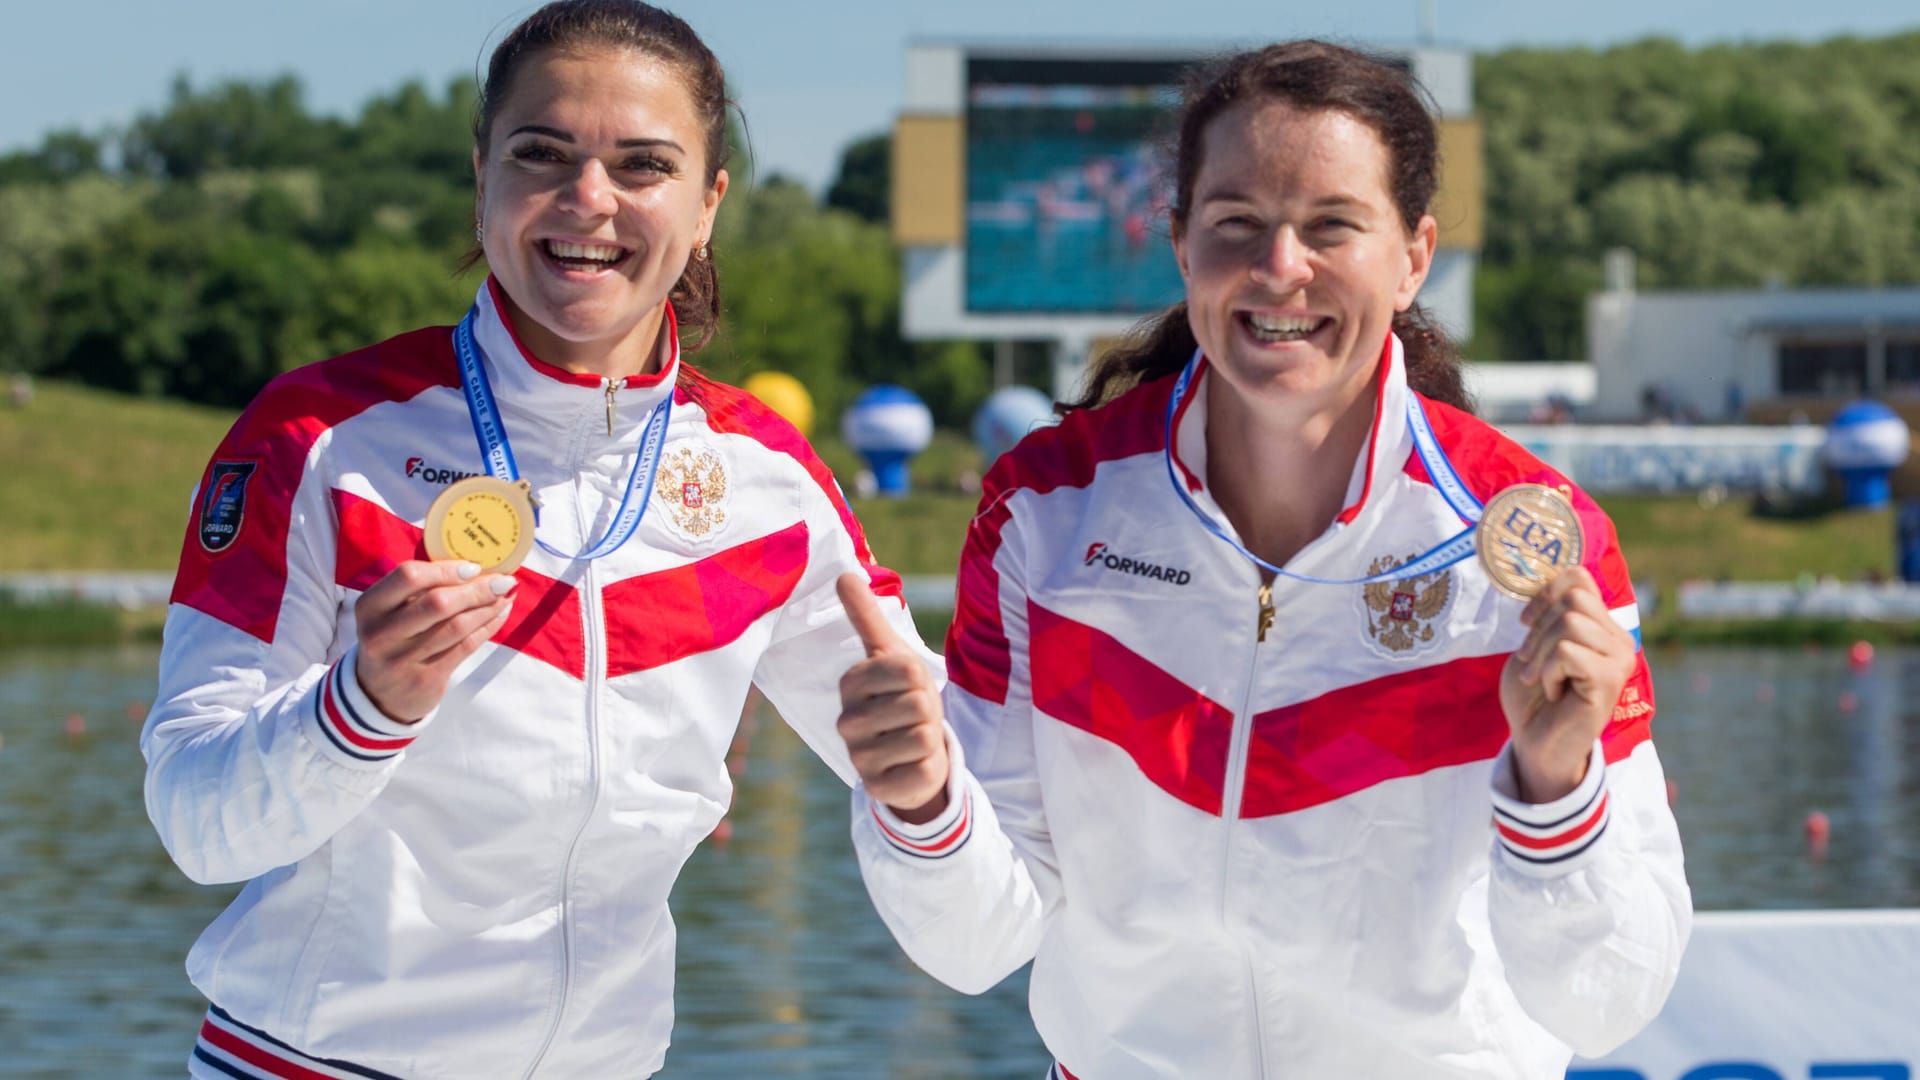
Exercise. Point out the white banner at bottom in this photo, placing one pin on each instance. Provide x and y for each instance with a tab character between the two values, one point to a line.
1789	995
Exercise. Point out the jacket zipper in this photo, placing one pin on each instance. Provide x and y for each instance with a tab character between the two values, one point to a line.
1231	797
595	675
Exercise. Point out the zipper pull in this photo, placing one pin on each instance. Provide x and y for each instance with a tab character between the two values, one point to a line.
611	387
1266	610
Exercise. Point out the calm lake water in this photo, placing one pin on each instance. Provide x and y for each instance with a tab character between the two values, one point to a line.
785	970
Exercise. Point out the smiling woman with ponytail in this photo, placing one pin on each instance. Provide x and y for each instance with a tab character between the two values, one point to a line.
459	791
1259	788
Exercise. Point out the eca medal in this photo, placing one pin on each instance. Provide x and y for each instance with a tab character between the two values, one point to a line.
1527	534
483	520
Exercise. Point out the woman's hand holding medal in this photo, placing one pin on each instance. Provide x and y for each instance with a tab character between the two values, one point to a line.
1559	687
417	624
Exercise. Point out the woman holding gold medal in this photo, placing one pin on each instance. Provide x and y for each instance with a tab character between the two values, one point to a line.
1262	768
465	620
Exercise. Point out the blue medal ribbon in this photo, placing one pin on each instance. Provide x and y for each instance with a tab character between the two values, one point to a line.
496	452
1445	479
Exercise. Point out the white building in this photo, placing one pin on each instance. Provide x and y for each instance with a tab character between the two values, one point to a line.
1754	354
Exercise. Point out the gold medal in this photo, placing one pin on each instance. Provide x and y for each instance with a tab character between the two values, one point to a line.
1527	534
483	520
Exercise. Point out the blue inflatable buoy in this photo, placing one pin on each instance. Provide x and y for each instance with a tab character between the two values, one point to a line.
1006	417
886	426
1866	441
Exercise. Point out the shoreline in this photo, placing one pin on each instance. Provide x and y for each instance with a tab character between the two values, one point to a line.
115	607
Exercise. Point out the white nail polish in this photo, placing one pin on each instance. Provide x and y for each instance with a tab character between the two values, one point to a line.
466	571
501	586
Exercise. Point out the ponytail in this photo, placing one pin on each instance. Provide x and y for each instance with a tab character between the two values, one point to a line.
696	300
1433	363
1157	346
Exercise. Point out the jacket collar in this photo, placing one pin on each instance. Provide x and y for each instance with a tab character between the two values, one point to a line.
522	381
1388	442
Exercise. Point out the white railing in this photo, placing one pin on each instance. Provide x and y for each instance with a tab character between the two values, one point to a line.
1889	602
130	590
1674	458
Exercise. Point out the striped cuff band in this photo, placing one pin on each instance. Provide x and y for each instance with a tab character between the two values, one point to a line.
350	722
1550	839
227	1047
936	839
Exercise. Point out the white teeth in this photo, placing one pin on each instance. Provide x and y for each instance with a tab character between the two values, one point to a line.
560	249
1281	327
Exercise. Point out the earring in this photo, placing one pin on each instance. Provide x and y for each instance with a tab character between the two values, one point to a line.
479	234
700	251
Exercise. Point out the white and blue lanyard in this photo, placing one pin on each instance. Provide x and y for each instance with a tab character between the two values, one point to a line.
1464	505
497	452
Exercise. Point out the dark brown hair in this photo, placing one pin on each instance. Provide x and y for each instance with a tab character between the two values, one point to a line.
627	24
1310	75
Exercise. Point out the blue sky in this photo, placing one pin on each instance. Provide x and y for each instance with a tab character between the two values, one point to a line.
811	75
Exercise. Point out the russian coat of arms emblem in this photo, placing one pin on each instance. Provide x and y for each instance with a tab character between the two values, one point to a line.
1401	614
692	485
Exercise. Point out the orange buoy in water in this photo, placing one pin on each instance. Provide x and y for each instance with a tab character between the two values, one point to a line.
1764	694
76	725
1848	702
1860	655
1819	831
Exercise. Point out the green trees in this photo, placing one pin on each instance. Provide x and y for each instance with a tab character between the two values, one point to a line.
231	234
863	186
815	292
1725	167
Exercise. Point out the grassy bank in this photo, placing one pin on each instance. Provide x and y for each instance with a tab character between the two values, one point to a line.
101	481
1669	540
73	622
1666	540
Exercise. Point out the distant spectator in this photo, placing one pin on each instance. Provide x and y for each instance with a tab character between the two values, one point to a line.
1656	405
1556	409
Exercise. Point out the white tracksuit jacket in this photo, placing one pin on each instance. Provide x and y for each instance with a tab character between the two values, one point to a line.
1236	858
482	894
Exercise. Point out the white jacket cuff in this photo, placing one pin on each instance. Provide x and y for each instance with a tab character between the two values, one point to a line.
940	837
353	730
1549	840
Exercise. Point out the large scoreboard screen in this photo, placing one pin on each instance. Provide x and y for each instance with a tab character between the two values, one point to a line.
1067	185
